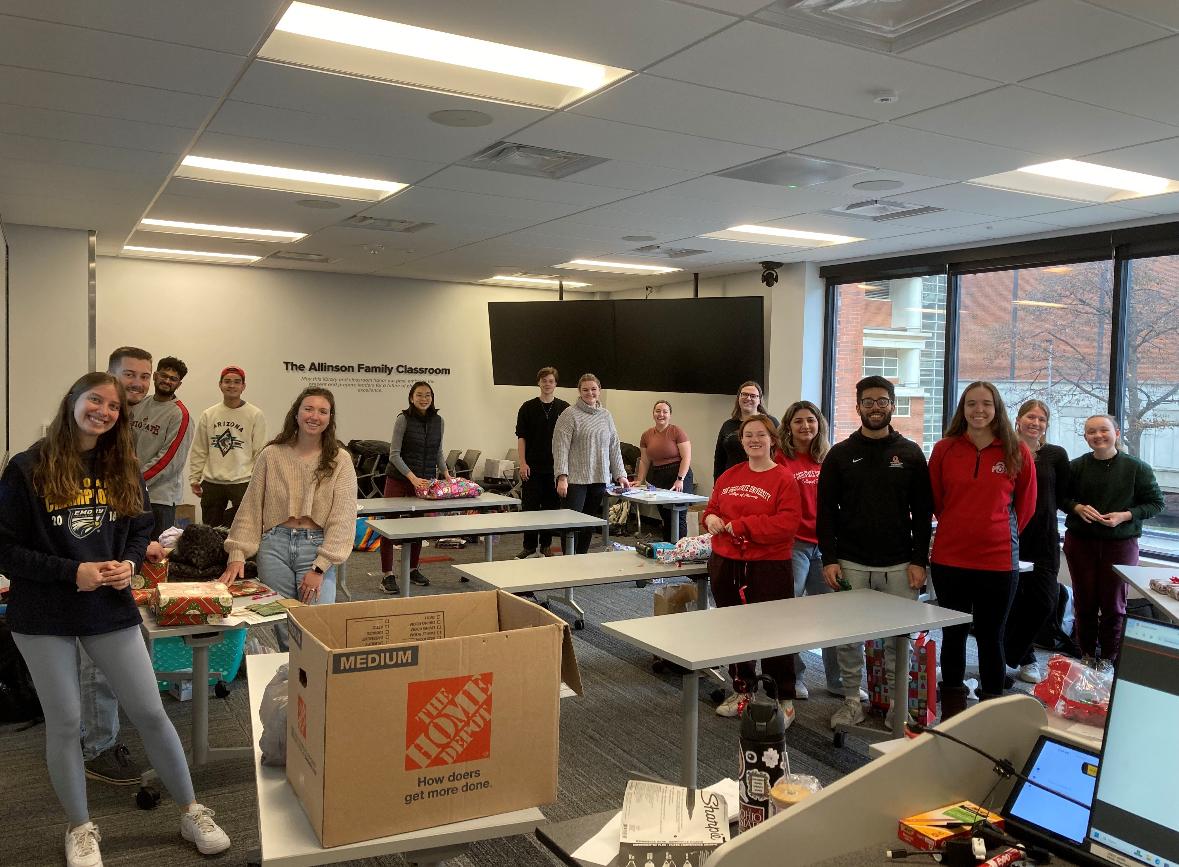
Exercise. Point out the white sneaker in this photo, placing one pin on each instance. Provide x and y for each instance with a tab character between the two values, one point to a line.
800	691
787	711
838	693
888	717
733	705
197	826
1030	673
850	713
81	845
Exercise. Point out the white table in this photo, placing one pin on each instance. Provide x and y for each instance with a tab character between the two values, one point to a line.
677	501
379	507
585	570
1139	577
199	638
409	529
287	838
700	640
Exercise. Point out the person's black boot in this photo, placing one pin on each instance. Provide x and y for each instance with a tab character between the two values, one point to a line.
953	700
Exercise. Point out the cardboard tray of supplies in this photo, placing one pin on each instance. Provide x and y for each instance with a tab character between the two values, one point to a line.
410	713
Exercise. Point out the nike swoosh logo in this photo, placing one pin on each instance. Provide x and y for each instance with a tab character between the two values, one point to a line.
856	460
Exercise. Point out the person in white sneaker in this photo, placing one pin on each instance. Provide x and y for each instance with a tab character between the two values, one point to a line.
74	527
1039	543
753	514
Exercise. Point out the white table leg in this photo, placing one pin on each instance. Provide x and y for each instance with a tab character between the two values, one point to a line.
689	708
200	704
900	682
488	547
406	584
342	580
676	509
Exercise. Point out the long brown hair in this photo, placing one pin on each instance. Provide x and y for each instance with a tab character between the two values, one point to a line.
1026	407
1001	426
820	445
736	416
328	445
58	473
766	422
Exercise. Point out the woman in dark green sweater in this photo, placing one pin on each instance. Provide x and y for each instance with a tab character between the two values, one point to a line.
1110	495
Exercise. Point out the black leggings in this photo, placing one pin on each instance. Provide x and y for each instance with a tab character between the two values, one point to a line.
588	500
1034	603
743	582
987	595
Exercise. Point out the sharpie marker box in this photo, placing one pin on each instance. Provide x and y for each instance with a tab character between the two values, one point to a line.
930	830
409	713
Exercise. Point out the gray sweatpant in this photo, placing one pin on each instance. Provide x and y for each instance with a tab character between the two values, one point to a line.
893	580
122	657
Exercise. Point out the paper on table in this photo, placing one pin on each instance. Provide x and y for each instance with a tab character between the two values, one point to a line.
603	846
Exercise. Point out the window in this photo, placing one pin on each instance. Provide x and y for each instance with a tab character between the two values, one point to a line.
1150	427
881	362
903	408
903	340
1041	333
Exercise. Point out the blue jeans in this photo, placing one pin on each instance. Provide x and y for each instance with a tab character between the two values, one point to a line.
100	708
807	563
285	555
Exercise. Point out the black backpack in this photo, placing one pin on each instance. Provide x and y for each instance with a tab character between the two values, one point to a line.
18	696
1052	635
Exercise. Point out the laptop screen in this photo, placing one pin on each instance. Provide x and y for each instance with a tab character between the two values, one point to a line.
1063	768
1135	816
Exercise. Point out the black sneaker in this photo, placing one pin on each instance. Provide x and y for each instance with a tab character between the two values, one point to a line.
416	577
389	585
524	554
115	767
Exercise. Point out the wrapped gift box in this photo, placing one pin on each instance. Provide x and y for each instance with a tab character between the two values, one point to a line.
182	603
150	574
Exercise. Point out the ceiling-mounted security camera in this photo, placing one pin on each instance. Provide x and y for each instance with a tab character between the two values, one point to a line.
769	273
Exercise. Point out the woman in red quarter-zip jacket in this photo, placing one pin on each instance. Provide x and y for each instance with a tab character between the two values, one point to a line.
984	494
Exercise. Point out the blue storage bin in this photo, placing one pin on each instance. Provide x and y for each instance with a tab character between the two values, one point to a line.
172	654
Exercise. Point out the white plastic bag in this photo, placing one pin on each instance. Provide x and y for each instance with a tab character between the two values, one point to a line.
273	713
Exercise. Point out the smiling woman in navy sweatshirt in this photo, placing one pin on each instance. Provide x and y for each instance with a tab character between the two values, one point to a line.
74	527
984	494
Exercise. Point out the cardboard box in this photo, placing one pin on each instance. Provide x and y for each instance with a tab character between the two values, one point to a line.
929	831
185	514
409	713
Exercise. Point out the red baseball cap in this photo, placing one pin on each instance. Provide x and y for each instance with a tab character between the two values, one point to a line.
236	370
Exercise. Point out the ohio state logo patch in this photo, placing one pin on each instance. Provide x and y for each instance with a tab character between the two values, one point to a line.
448	721
999	467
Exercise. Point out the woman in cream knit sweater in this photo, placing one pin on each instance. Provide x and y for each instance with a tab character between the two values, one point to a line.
299	512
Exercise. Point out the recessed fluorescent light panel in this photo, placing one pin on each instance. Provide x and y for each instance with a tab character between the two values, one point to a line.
206	230
614	267
288	179
527	281
1080	181
751	234
329	40
189	255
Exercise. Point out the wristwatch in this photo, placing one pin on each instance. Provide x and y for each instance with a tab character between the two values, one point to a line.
317	569
679	478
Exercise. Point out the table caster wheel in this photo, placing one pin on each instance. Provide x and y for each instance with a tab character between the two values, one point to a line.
659	666
717	696
221	689
641	584
579	624
147	798
464	579
839	739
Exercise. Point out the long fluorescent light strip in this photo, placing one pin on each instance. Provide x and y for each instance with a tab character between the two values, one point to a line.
538	281
1100	176
264	171
615	267
1023	303
189	254
214	231
793	233
391	37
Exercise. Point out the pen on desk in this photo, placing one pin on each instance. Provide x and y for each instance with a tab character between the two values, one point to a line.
690	802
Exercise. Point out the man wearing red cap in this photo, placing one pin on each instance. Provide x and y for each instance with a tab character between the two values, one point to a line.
228	438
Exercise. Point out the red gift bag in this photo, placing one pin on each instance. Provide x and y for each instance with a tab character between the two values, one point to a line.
922	698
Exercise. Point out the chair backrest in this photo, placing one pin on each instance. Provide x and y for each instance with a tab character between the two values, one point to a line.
471	458
513	455
452	459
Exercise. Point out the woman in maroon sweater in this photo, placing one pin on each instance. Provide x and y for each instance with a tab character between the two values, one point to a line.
753	514
984	494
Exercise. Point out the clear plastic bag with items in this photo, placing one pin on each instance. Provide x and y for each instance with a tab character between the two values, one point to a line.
1075	691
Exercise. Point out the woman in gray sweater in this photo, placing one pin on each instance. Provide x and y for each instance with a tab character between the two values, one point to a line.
586	455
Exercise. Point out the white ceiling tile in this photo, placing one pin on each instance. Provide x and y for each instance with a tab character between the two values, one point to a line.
72	182
110	218
624	175
627	33
1166	204
93	129
569	233
1029	120
112	57
441	206
677	106
990	202
72	153
1157	158
603	138
1139	81
39	89
765	61
1162	12
1095	215
169	241
220	25
736	7
226	205
492	183
889	146
1033	39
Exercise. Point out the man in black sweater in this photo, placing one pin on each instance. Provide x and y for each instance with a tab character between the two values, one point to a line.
534	441
874	522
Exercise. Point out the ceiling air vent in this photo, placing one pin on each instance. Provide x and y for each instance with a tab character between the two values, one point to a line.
883	210
379	224
667	252
537	162
295	256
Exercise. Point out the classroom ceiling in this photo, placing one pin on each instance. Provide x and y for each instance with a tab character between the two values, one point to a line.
99	103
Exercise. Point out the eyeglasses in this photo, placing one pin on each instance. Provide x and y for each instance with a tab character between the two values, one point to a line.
882	402
748	395
168	377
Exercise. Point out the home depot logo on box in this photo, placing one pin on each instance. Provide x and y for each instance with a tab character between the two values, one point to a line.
448	721
301	711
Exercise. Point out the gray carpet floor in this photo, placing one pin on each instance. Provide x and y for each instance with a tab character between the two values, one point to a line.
625	725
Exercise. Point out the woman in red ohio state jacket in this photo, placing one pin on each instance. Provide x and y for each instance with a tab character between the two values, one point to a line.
753	514
984	493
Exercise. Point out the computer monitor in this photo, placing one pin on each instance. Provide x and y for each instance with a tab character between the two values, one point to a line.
1036	813
1135	815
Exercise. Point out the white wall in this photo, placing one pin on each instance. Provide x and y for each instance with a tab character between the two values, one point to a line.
48	324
